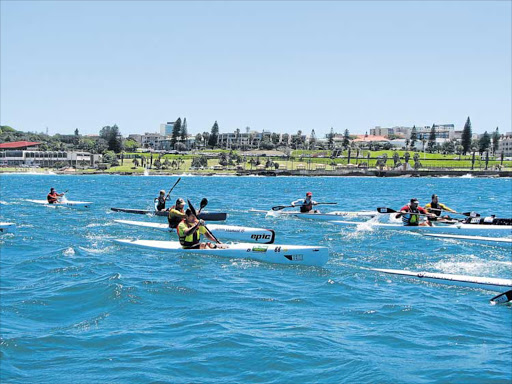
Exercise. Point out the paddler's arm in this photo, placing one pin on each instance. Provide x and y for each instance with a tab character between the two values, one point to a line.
293	203
192	229
444	207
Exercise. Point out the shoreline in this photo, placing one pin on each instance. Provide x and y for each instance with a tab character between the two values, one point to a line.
304	173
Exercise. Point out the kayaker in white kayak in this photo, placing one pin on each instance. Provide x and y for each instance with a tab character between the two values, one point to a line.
190	231
306	205
176	213
410	214
53	196
437	208
160	201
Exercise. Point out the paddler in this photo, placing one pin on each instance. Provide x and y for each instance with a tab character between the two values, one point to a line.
306	205
411	214
176	213
436	208
190	231
161	199
53	196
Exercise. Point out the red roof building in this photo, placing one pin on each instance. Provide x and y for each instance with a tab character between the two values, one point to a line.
18	144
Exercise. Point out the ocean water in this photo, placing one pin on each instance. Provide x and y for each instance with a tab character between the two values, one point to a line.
78	308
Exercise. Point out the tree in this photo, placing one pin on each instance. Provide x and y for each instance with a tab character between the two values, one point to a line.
396	158
432	138
495	141
484	143
184	130
330	139
206	138
466	136
414	136
176	132
214	136
312	139
275	138
113	138
199	138
346	139
407	156
130	145
100	146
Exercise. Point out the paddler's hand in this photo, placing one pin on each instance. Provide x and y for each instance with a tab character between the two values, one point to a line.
201	222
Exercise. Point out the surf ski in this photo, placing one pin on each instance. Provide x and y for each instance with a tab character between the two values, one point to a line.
456	228
505	241
271	253
7	227
488	283
206	216
65	203
244	234
327	216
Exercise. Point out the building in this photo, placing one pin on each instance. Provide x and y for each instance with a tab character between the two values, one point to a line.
32	158
166	129
505	145
443	131
239	139
151	140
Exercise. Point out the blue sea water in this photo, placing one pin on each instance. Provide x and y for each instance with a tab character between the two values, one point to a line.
78	308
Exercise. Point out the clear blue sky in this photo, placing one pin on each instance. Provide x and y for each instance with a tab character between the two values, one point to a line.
279	66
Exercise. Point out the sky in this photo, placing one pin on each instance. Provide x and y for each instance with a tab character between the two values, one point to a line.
274	66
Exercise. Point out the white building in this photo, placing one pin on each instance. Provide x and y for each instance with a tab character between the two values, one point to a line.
34	158
505	145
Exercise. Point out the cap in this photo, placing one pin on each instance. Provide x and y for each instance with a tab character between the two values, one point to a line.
414	200
434	195
180	201
52	189
309	194
162	191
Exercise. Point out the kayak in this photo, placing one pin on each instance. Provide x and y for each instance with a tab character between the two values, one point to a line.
457	228
489	283
478	239
336	215
207	216
7	227
248	234
67	203
279	254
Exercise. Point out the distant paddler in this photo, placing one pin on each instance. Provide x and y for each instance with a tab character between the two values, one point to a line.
190	231
53	196
176	213
411	214
162	198
436	208
306	205
160	201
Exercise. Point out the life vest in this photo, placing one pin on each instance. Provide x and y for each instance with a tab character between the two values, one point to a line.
161	204
173	220
52	198
189	241
411	219
306	207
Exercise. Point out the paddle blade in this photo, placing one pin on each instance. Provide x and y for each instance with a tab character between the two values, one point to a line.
204	203
278	207
502	298
385	210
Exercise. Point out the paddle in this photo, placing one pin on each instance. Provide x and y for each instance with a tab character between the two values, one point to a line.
502	298
175	184
386	210
279	207
195	214
204	203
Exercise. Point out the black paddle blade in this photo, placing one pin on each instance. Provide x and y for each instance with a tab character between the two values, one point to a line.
191	207
385	210
502	298
278	208
204	203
